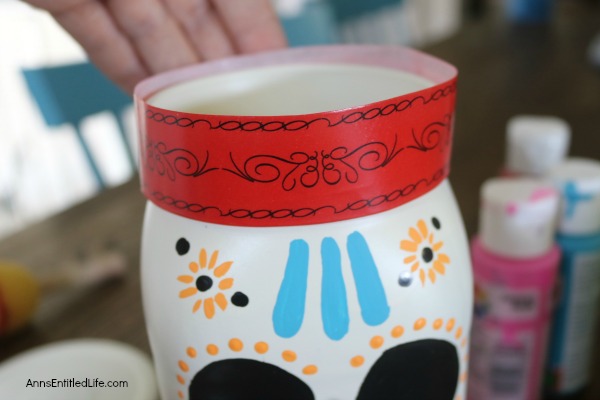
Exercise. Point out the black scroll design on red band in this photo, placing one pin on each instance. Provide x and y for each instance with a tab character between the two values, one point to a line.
300	124
342	164
304	212
307	169
173	162
299	167
432	135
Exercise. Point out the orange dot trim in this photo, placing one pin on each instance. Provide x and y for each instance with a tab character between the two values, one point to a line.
183	366
212	349
397	331
310	370
376	342
357	361
180	379
420	324
261	347
236	345
289	356
437	324
458	333
191	352
450	324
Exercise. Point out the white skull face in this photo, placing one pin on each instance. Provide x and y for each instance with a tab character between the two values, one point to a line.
370	308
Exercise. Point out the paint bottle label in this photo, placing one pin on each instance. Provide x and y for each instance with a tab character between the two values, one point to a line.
573	334
501	361
514	304
509	334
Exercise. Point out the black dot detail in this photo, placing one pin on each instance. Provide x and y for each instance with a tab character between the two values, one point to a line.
239	299
203	283
436	223
182	246
427	254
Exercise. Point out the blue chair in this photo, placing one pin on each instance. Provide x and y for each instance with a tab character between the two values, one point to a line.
315	25
67	94
345	10
319	21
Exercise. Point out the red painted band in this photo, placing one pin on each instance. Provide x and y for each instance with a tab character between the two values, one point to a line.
301	169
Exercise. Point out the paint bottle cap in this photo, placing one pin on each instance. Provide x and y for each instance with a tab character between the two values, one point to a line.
578	180
518	216
535	144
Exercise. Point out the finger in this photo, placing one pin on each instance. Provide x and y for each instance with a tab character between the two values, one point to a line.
54	6
203	27
154	33
253	24
92	26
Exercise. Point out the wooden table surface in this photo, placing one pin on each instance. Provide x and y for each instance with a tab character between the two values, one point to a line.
504	70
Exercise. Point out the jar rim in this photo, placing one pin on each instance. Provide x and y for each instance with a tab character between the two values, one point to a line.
394	58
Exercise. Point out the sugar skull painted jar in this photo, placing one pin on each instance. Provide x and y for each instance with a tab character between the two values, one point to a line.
301	240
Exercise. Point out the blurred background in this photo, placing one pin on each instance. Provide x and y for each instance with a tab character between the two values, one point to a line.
43	168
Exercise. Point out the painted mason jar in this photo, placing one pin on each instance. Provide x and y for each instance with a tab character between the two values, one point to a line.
301	240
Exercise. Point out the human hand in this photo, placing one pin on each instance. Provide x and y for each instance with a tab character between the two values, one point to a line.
132	39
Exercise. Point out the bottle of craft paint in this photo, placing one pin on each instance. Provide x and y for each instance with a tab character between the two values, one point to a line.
515	263
535	144
574	328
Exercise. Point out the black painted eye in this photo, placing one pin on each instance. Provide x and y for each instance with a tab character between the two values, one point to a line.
182	246
436	223
203	283
239	299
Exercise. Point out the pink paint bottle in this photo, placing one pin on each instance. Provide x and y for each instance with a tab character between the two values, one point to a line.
515	262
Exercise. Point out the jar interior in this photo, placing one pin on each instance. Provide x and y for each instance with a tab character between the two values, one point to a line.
288	90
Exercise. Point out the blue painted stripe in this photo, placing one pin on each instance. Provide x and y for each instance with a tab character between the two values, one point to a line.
334	307
371	296
288	313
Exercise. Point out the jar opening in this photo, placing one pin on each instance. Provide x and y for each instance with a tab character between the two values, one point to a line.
302	88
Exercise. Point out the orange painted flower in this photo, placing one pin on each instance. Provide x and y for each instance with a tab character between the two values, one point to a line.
426	256
207	282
